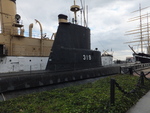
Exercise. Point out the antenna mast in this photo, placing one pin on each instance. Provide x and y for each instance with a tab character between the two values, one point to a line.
75	8
83	8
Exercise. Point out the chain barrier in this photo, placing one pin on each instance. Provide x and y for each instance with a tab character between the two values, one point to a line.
146	77
131	91
147	73
142	74
140	83
125	72
120	88
136	72
128	70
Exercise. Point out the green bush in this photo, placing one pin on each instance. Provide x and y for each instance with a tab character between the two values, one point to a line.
87	98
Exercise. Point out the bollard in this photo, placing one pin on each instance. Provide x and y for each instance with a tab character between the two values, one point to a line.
131	71
120	70
142	75
112	91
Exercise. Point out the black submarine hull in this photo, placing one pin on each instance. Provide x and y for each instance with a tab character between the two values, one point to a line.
26	80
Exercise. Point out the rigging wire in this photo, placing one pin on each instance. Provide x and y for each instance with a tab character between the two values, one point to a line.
20	8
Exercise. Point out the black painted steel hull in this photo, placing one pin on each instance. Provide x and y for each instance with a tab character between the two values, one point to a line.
142	57
19	81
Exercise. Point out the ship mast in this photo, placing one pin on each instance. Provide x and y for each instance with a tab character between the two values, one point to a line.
148	32
75	8
140	31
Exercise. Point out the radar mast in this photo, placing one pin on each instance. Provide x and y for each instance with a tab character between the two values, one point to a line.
75	8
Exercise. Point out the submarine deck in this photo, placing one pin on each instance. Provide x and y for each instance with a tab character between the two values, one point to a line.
21	73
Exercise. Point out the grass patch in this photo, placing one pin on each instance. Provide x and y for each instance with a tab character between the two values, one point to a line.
88	98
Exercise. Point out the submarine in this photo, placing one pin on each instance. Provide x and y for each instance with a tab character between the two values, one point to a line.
70	59
71	48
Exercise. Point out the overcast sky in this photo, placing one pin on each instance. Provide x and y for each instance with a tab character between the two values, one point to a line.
107	20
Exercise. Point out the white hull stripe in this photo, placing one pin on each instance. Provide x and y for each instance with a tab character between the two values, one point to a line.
142	56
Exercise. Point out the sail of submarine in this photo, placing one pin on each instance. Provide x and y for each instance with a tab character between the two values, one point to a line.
71	48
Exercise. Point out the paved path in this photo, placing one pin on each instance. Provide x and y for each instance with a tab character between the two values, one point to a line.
145	71
143	105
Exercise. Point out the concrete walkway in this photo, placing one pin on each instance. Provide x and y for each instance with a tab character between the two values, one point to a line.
142	106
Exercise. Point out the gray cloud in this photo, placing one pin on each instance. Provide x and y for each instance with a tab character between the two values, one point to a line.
107	20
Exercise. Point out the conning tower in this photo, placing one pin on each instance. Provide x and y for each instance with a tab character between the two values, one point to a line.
71	48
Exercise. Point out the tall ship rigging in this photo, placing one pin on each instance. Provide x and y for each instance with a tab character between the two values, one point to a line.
142	35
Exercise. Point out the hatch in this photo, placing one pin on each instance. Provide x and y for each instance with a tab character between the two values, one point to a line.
3	51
